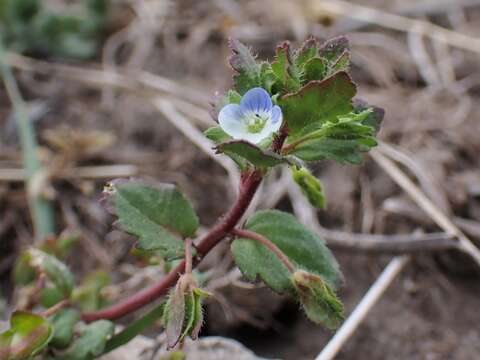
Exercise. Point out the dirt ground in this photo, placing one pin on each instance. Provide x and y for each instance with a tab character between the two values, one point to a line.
431	96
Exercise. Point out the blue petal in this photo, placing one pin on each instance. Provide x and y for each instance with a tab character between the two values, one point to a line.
256	100
276	115
230	120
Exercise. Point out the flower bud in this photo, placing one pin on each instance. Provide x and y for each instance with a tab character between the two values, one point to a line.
318	299
183	314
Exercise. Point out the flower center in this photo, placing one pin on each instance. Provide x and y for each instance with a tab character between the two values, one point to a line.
255	122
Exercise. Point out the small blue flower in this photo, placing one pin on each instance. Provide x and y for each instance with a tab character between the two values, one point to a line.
255	119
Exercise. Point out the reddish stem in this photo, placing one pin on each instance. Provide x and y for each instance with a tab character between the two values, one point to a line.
247	190
270	245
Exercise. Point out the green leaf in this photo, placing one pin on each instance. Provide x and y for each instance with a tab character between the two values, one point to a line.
315	69
134	328
343	62
285	70
89	294
159	215
51	295
91	342
343	140
307	51
304	249
28	335
216	134
183	311
318	299
247	69
375	116
63	323
56	271
316	103
252	153
310	186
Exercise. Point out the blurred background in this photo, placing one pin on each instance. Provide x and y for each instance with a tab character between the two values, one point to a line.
122	88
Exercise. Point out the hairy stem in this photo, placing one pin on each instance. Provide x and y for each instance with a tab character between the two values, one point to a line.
188	256
247	190
267	243
248	187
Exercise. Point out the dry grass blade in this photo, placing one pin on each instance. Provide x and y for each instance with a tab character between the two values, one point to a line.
375	292
425	203
400	23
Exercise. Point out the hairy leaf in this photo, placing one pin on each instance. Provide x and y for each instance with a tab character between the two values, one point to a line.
248	71
317	102
285	70
310	186
304	248
159	215
252	153
318	299
343	140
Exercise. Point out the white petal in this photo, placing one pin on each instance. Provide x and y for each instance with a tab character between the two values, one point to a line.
230	120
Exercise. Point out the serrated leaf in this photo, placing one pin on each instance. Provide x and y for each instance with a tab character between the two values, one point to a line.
91	342
63	323
343	140
56	271
315	69
247	69
375	116
159	215
318	299
334	48
307	51
252	153
342	63
28	335
310	186
305	250
316	103
285	70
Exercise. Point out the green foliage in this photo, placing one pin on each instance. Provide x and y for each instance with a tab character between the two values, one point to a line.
318	299
183	314
54	269
303	248
30	27
285	69
310	186
316	103
88	295
27	336
248	71
159	215
63	323
91	342
252	153
343	139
